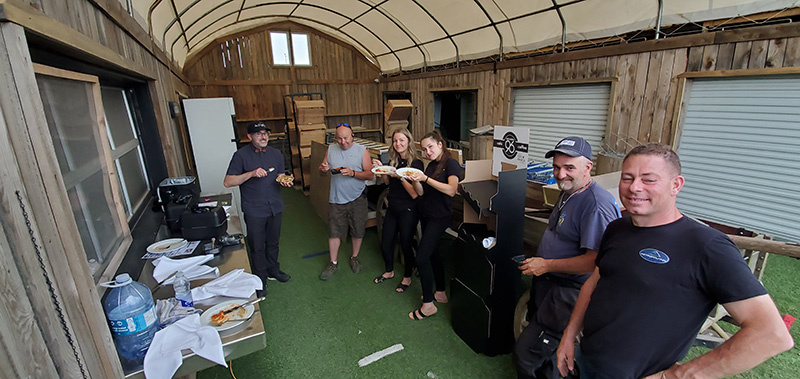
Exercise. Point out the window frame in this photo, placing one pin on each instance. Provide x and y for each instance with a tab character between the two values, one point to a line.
288	36
123	238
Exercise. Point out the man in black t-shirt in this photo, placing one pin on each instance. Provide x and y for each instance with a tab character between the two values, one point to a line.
255	169
658	276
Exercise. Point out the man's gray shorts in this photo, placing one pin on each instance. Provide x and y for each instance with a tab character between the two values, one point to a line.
352	215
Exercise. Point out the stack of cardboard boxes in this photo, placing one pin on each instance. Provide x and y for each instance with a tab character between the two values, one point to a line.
396	113
309	126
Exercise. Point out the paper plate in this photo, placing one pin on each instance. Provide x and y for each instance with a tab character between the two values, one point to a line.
167	245
407	171
382	170
205	318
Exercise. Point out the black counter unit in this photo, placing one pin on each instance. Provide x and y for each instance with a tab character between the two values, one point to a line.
203	223
485	287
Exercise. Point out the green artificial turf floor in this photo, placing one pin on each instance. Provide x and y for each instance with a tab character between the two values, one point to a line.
317	329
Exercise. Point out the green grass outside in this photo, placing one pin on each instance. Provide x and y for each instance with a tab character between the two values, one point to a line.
781	281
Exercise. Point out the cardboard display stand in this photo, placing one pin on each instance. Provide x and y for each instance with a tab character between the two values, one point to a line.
485	286
510	146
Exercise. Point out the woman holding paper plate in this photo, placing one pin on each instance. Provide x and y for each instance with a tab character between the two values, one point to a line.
401	214
437	186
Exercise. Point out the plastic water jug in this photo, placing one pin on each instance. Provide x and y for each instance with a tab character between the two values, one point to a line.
132	316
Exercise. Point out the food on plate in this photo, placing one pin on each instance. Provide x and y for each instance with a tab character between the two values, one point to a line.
384	170
283	178
221	317
408	173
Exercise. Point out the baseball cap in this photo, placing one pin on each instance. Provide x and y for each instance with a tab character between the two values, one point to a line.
572	146
256	127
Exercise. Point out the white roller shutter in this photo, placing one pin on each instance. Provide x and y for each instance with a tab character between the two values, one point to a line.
554	112
740	152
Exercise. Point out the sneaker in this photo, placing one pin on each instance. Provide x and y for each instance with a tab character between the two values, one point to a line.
328	272
355	265
279	276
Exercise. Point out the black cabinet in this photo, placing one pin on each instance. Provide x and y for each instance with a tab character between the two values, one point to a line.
485	287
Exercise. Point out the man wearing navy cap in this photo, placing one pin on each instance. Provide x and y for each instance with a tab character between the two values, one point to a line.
565	257
255	168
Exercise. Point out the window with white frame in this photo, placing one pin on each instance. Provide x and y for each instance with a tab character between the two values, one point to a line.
288	51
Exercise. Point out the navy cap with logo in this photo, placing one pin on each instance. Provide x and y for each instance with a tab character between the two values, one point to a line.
572	146
256	127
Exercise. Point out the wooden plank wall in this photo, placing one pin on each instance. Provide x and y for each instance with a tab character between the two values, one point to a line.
53	226
98	32
644	95
240	66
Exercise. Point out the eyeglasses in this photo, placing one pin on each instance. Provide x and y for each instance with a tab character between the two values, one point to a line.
261	133
344	124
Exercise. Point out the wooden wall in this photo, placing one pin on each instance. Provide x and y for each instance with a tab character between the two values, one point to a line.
646	76
344	76
54	268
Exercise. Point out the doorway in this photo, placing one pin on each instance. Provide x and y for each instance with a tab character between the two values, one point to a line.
454	114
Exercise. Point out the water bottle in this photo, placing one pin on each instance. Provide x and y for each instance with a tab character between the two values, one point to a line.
182	291
131	313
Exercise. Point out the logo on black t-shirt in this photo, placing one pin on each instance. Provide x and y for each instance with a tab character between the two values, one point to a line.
654	256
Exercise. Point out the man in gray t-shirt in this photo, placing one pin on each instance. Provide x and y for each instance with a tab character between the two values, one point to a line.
350	165
565	257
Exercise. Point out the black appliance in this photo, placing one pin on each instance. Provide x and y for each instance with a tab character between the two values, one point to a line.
203	223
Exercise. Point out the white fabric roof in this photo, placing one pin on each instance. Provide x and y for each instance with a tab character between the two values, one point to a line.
402	35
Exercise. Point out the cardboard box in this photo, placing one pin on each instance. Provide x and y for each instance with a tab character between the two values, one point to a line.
390	126
311	135
305	152
309	112
476	171
309	127
398	109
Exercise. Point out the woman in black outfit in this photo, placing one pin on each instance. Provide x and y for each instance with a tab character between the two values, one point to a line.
401	215
437	186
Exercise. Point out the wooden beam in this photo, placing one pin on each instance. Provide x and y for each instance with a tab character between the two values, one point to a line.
744	72
40	24
694	40
753	17
766	246
114	11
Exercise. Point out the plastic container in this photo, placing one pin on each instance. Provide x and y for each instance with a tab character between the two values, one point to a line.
131	314
182	289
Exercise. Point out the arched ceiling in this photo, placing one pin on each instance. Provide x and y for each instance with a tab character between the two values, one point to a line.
400	35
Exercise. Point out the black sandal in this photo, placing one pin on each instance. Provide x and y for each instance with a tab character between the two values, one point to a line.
417	318
380	278
402	287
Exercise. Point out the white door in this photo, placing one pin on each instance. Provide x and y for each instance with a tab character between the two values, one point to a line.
211	130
